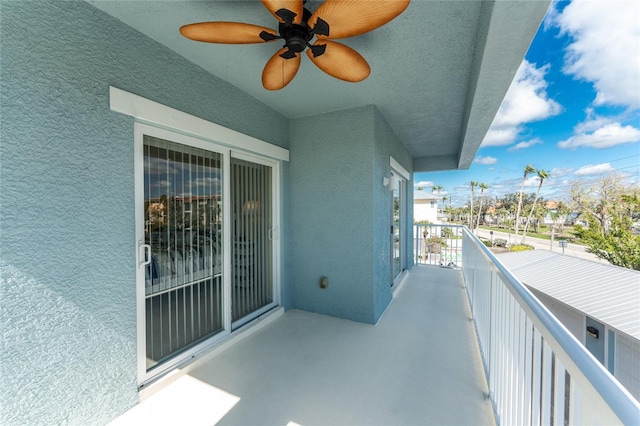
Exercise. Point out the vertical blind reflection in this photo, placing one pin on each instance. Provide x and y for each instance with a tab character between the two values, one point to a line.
251	254
183	226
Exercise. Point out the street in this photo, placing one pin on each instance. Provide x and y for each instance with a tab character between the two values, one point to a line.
571	249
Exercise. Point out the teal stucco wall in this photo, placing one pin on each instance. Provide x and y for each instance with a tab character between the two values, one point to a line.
67	259
67	294
341	212
386	145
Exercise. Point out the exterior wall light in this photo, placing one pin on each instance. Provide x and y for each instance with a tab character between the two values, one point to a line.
592	331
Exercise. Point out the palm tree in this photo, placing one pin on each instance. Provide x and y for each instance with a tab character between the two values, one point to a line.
473	186
444	203
483	186
542	175
437	189
527	171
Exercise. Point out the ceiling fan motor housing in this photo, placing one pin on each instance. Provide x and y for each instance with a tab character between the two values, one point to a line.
296	36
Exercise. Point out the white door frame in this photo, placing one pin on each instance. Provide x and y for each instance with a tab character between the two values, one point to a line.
403	177
140	130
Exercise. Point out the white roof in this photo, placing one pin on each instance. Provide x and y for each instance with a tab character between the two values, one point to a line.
422	195
604	292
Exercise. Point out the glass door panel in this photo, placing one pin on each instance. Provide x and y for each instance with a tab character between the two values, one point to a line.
251	248
397	226
183	229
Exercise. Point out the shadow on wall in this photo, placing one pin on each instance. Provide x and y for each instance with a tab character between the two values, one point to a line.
48	341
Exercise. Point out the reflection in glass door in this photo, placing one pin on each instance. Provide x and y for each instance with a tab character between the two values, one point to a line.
183	236
251	249
397	225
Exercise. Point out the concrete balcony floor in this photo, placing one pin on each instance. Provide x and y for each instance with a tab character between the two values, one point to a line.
420	365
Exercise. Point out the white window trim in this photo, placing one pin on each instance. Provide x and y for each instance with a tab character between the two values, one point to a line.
395	165
156	114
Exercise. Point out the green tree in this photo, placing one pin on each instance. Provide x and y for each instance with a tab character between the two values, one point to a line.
542	175
444	205
473	186
437	189
509	203
502	214
558	215
482	186
527	171
619	246
599	198
609	208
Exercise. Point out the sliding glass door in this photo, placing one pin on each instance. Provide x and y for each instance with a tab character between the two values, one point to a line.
183	235
205	219
252	248
397	225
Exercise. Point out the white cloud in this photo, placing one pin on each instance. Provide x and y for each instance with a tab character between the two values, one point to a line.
526	101
605	137
206	181
559	172
500	137
163	184
485	160
532	181
424	184
604	50
593	122
526	144
594	170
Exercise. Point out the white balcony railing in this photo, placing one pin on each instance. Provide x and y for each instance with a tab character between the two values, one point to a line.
537	372
438	245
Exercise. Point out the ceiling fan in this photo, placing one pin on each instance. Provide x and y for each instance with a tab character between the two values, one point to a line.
334	19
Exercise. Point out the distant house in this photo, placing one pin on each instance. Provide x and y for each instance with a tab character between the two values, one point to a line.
425	206
598	303
552	210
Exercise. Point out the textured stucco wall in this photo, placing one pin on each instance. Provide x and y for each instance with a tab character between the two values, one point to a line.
387	144
341	212
331	213
67	290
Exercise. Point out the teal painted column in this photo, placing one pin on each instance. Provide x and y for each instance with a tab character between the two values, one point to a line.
341	212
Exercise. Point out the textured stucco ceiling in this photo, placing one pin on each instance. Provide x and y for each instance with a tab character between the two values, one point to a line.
439	70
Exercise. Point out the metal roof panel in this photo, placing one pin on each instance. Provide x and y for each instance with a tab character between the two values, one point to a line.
607	293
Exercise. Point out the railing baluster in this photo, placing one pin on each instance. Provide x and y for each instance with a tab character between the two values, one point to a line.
559	393
537	372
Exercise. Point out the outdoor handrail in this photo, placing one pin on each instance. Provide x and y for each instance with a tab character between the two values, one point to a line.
619	400
448	255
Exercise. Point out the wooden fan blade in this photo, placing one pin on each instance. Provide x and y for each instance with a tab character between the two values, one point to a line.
340	61
226	32
294	6
347	18
279	71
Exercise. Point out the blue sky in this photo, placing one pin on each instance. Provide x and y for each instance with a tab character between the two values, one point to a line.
573	108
